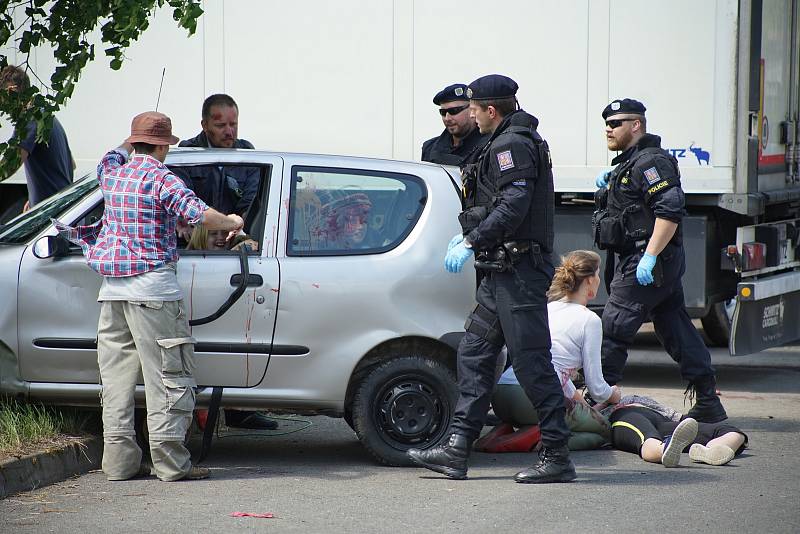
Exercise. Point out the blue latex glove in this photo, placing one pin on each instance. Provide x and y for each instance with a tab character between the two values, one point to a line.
458	238
602	179
644	271
456	257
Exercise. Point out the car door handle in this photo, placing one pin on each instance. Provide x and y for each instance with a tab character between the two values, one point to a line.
253	280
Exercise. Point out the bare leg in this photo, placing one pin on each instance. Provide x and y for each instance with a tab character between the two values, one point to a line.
652	449
718	451
734	440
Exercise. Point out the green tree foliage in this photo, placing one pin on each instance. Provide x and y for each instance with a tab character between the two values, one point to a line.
67	26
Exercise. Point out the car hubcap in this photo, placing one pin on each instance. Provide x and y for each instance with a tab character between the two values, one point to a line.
410	412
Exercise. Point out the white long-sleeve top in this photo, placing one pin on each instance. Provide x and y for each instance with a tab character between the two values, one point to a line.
576	333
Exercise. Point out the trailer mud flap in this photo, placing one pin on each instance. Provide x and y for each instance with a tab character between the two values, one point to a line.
767	314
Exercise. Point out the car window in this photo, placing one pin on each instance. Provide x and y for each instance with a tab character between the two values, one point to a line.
347	211
228	189
24	227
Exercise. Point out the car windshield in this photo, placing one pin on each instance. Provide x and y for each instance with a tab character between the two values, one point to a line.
22	228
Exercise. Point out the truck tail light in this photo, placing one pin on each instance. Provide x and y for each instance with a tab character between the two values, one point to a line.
754	256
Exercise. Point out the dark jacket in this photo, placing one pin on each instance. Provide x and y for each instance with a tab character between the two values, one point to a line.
441	150
647	175
231	193
516	165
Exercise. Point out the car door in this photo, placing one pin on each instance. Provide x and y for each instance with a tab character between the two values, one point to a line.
58	312
233	350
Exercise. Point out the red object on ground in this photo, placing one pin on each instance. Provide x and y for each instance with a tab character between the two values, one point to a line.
523	440
500	430
202	417
252	514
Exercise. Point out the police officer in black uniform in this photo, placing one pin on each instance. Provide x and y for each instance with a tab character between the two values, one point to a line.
640	206
508	223
461	137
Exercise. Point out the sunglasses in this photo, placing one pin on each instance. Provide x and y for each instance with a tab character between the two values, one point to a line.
616	123
452	111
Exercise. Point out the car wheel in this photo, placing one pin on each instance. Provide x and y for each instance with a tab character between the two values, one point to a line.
717	322
348	418
406	402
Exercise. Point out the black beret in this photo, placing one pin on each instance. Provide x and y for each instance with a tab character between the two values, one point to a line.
626	105
457	91
492	86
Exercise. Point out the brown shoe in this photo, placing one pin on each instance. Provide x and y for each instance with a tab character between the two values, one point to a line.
197	473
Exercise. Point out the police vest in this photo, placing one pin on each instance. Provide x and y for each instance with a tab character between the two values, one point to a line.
538	223
635	219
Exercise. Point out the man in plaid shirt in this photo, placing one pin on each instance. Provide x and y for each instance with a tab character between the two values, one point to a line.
143	324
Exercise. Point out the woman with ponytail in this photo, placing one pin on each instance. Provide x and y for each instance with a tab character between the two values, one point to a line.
576	334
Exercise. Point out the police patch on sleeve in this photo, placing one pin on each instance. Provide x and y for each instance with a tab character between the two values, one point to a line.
651	175
505	160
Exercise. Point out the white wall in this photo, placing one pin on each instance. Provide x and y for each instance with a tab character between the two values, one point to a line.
357	76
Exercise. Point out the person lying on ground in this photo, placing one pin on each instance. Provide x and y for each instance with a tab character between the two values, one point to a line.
658	434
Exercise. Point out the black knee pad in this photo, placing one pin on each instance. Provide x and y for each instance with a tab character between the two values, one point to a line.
486	325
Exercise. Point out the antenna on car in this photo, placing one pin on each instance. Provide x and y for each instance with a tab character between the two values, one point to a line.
163	71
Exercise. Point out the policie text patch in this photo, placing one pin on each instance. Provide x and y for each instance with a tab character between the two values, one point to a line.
651	175
505	161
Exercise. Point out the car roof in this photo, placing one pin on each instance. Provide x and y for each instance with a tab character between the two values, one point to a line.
233	152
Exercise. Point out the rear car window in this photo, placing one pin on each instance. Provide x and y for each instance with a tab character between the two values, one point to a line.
348	211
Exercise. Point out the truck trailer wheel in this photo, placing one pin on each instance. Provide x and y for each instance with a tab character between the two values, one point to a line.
717	322
406	402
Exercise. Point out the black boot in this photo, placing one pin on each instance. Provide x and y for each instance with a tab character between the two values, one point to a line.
449	459
554	466
707	407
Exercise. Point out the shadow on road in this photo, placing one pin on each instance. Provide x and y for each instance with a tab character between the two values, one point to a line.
754	380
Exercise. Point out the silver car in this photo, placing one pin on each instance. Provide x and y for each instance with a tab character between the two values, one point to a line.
345	309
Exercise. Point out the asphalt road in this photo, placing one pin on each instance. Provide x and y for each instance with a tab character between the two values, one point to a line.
319	479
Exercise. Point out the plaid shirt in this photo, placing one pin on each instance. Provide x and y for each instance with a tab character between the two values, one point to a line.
143	200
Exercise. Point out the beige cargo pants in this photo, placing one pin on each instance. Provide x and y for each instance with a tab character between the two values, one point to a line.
152	337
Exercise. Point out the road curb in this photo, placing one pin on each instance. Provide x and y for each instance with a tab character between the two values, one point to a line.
48	467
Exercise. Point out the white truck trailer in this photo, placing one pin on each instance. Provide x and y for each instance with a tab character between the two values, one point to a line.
719	79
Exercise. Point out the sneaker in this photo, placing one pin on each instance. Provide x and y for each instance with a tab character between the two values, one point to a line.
681	437
197	473
714	455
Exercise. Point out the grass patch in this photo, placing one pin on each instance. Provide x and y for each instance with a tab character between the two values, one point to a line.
25	428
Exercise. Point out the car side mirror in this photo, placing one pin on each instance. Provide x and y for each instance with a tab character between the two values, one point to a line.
51	246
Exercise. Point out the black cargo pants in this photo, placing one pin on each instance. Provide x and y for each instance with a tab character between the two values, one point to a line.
512	310
630	304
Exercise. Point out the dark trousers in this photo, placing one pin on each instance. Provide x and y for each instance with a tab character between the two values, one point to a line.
630	304
515	309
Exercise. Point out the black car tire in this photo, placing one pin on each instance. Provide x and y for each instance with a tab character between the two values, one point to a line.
403	403
717	324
